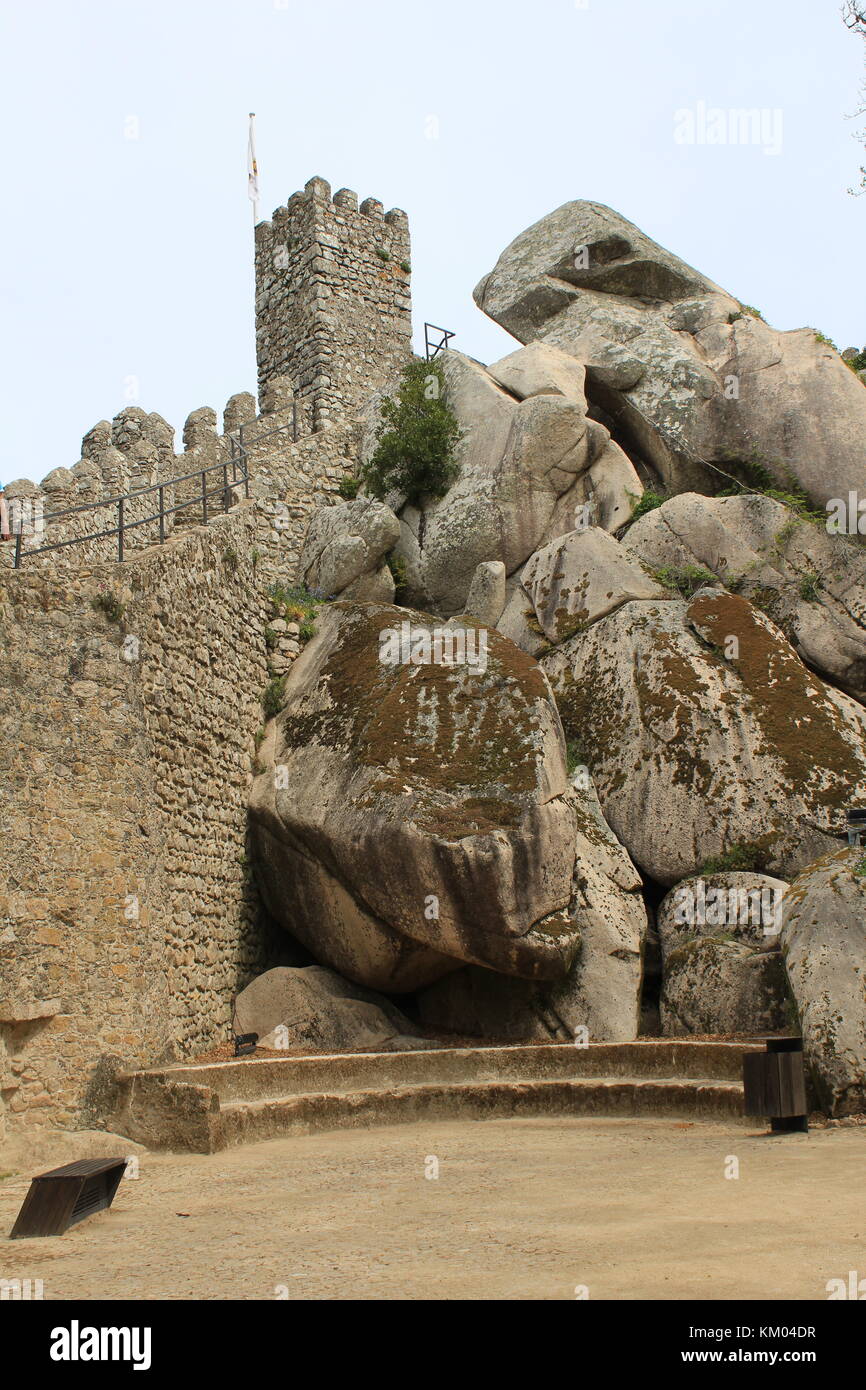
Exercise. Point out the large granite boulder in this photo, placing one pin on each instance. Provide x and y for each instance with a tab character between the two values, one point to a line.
824	944
745	906
599	1000
345	548
529	467
715	985
704	733
570	584
722	969
486	598
812	584
692	379
312	1009
414	815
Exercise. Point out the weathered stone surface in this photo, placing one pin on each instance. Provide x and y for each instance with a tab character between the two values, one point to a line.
25	1010
486	598
312	1008
125	922
812	584
609	489
824	944
423	816
744	906
540	369
692	753
530	470
239	409
344	550
714	985
692	377
333	305
199	429
519	622
800	411
722	971
572	583
601	992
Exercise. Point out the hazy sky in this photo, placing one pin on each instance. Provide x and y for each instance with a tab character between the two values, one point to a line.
127	262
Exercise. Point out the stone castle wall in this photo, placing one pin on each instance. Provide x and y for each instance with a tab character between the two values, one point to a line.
126	923
333	299
289	479
131	694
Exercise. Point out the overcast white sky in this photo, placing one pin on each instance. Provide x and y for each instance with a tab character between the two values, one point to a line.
132	258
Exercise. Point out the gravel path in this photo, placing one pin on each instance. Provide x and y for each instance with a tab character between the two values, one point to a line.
521	1209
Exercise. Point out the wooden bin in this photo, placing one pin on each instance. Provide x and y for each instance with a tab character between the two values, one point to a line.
775	1086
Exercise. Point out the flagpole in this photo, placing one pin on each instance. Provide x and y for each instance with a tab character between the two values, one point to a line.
253	171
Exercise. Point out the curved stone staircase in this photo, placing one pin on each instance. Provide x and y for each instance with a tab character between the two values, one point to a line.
205	1107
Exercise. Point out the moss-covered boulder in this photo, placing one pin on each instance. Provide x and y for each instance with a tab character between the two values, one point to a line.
824	944
812	584
717	984
413	815
705	733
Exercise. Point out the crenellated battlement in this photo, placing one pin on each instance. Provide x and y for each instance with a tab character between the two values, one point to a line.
318	191
333	299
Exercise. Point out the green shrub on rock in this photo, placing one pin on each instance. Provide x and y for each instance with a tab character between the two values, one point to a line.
648	502
348	487
743	858
397	565
685	579
417	438
274	697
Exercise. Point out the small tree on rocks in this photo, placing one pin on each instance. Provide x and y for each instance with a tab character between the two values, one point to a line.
417	438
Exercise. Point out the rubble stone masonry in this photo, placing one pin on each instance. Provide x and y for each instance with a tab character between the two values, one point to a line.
130	694
126	922
333	299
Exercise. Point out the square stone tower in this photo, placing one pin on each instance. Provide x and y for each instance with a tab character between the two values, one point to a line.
333	301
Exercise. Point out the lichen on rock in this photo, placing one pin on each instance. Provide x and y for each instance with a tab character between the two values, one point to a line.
388	786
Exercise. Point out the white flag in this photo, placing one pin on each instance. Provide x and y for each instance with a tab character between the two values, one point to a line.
252	166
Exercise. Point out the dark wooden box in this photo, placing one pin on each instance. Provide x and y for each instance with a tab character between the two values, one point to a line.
60	1198
774	1082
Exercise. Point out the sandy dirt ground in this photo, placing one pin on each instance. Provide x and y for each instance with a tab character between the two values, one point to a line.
521	1209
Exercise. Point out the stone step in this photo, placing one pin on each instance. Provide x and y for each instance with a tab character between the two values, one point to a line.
205	1106
244	1122
263	1078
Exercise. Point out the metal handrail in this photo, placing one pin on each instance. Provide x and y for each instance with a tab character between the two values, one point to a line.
136	492
268	433
432	348
237	461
